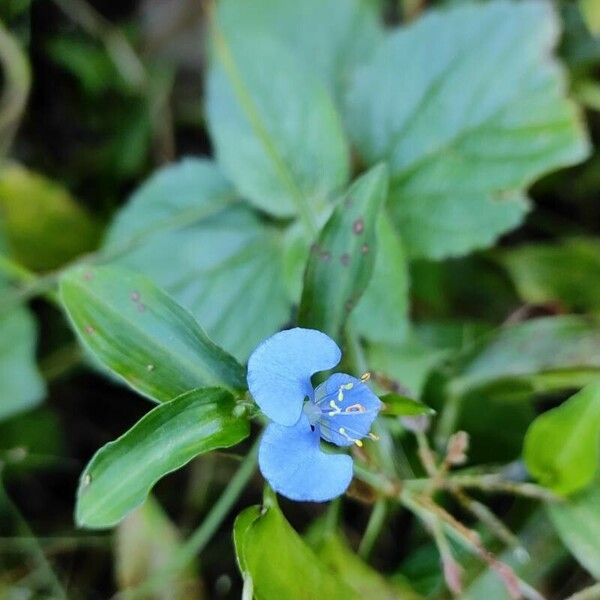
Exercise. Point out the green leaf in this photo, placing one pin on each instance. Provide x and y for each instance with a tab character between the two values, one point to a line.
43	224
329	36
183	229
120	475
278	560
275	128
468	108
335	553
590	9
145	541
561	445
341	261
577	522
568	273
542	354
382	313
140	333
403	406
21	386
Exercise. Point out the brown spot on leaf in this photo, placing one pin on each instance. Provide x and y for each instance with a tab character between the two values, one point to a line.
88	275
135	296
345	259
325	255
89	329
141	307
358	226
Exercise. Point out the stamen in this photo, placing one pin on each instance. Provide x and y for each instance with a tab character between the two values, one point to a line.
365	377
355	408
336	409
374	437
342	432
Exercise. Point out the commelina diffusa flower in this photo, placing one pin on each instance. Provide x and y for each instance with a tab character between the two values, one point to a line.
341	411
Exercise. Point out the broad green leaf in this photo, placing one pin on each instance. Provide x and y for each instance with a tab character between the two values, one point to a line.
382	313
568	273
577	522
403	406
120	475
541	354
561	445
329	36
274	125
141	334
145	541
468	108
183	229
43	224
21	386
341	261
278	560
334	553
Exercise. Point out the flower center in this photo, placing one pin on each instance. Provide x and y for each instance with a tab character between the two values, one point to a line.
312	412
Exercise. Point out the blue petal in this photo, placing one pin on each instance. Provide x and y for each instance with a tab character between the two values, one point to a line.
291	460
279	371
346	414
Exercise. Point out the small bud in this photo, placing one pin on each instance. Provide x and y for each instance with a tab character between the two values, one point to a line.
458	446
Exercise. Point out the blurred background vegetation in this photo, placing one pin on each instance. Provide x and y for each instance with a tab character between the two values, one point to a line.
96	96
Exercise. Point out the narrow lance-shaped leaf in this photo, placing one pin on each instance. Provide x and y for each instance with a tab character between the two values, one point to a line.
341	261
141	334
468	107
561	445
120	475
279	562
404	406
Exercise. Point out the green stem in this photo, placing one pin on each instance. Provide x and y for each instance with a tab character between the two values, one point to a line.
200	538
374	527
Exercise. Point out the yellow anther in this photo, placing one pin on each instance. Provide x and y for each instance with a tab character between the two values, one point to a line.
365	377
355	408
374	437
358	443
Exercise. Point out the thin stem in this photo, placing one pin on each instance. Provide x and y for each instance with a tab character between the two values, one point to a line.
204	533
374	527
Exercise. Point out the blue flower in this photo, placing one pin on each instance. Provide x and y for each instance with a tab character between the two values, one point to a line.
341	411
